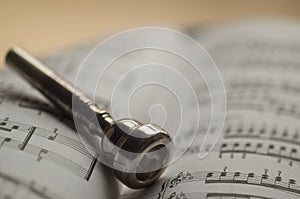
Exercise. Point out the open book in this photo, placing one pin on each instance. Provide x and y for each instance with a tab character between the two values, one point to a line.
257	155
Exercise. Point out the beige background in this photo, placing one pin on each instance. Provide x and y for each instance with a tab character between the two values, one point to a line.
44	26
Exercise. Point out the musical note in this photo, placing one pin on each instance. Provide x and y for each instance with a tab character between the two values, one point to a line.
291	156
39	156
223	148
263	102
246	148
291	182
52	137
5	126
240	177
215	177
278	178
4	140
270	149
265	133
42	153
234	146
280	152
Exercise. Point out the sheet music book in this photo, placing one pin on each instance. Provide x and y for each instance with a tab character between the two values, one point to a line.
257	155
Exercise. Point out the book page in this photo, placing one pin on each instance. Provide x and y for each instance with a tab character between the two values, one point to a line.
257	155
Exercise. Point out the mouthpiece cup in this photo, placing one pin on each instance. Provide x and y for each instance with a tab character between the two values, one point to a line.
141	152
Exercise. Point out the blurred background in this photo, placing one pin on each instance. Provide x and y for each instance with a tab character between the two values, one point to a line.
45	26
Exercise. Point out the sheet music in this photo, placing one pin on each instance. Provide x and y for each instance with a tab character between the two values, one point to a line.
41	156
258	153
